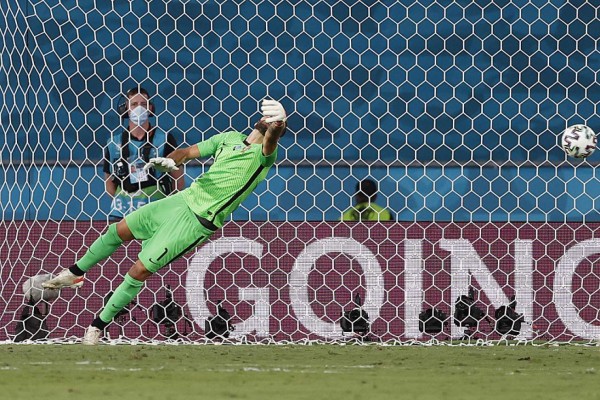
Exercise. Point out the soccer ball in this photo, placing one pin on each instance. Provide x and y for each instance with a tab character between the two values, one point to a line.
579	141
33	290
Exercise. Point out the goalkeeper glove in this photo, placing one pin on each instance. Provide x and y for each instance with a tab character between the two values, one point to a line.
273	111
162	164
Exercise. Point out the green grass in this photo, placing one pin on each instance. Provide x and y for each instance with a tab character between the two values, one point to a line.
298	372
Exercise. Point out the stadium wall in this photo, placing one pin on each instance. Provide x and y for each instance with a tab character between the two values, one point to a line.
292	281
459	194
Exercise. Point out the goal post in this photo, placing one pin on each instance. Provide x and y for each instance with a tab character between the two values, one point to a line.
454	110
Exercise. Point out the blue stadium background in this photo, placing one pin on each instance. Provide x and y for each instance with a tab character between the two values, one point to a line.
454	107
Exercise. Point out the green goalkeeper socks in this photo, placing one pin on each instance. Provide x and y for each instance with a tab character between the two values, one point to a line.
103	247
121	297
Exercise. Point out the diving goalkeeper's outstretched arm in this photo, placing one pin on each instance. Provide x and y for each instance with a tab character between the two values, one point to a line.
271	127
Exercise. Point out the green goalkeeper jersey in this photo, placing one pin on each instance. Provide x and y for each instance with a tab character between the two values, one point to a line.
237	169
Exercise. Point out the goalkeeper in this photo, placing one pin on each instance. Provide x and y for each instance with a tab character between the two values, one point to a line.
171	227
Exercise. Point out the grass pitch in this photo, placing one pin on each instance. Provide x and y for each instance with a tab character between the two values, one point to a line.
298	372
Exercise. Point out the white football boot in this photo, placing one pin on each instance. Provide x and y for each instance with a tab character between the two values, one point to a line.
66	279
92	336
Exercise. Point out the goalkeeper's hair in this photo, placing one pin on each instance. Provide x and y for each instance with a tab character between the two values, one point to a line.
262	127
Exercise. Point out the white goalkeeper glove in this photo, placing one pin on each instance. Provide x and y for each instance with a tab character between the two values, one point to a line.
162	164
273	111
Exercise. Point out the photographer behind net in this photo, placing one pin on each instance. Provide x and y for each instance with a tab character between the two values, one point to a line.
365	208
127	152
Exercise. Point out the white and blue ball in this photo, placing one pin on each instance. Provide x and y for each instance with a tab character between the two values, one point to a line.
579	141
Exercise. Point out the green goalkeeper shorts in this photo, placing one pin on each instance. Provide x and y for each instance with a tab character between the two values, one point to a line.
168	229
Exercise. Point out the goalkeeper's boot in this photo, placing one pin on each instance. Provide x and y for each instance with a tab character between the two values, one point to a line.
66	279
92	336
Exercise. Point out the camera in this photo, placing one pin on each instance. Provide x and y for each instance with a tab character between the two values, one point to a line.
355	320
218	326
32	324
167	313
432	321
166	184
467	314
508	321
120	169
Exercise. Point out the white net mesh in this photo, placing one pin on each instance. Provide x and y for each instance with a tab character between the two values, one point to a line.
452	108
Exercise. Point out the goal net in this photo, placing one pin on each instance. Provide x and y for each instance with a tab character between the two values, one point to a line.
453	108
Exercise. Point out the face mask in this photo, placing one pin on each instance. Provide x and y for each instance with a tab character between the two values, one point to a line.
138	115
